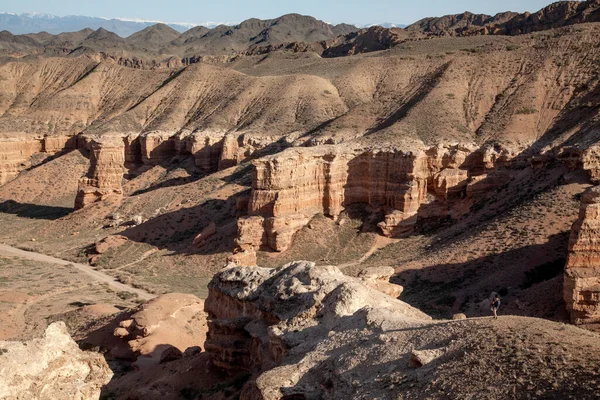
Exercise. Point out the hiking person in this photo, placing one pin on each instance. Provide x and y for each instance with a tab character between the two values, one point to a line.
494	305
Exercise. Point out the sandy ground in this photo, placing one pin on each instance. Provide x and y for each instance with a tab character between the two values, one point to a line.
6	250
36	293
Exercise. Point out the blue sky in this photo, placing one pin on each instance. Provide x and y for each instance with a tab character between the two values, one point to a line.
196	11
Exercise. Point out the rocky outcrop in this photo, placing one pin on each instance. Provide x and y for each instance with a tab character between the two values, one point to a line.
582	272
207	147
587	159
555	15
307	332
374	38
14	157
378	278
105	175
291	187
458	24
253	312
157	147
52	367
212	149
55	144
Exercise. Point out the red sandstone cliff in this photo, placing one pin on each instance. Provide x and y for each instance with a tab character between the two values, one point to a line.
582	272
105	175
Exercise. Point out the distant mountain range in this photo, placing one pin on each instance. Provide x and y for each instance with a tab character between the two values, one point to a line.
19	24
385	25
160	41
154	44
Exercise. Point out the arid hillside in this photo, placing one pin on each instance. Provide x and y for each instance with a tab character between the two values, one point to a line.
418	172
265	156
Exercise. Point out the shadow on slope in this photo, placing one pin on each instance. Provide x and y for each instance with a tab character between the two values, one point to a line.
176	230
178	170
33	211
580	111
521	276
414	98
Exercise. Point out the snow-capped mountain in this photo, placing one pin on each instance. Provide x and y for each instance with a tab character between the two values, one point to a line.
386	25
38	22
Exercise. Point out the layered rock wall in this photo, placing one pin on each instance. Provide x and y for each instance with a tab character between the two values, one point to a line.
582	272
15	153
289	188
212	149
157	147
14	157
207	148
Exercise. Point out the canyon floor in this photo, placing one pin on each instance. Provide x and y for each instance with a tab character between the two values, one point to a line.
32	292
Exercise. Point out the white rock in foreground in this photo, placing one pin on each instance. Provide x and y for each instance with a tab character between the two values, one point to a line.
52	367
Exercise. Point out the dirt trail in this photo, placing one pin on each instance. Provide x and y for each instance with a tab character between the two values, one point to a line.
379	243
99	276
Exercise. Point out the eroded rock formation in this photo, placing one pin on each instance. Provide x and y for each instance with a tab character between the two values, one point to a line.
291	187
52	367
173	320
306	332
582	272
105	175
253	312
212	149
378	278
14	157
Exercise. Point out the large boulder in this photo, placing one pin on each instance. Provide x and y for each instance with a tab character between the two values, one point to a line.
254	312
52	367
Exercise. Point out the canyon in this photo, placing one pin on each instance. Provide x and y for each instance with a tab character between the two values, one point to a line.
417	172
301	144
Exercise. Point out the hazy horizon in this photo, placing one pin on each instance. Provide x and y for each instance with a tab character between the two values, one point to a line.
197	13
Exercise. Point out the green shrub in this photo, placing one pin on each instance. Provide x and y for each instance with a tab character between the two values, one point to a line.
527	110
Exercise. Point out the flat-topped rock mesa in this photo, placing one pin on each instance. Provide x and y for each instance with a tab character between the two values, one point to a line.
582	272
289	188
52	367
